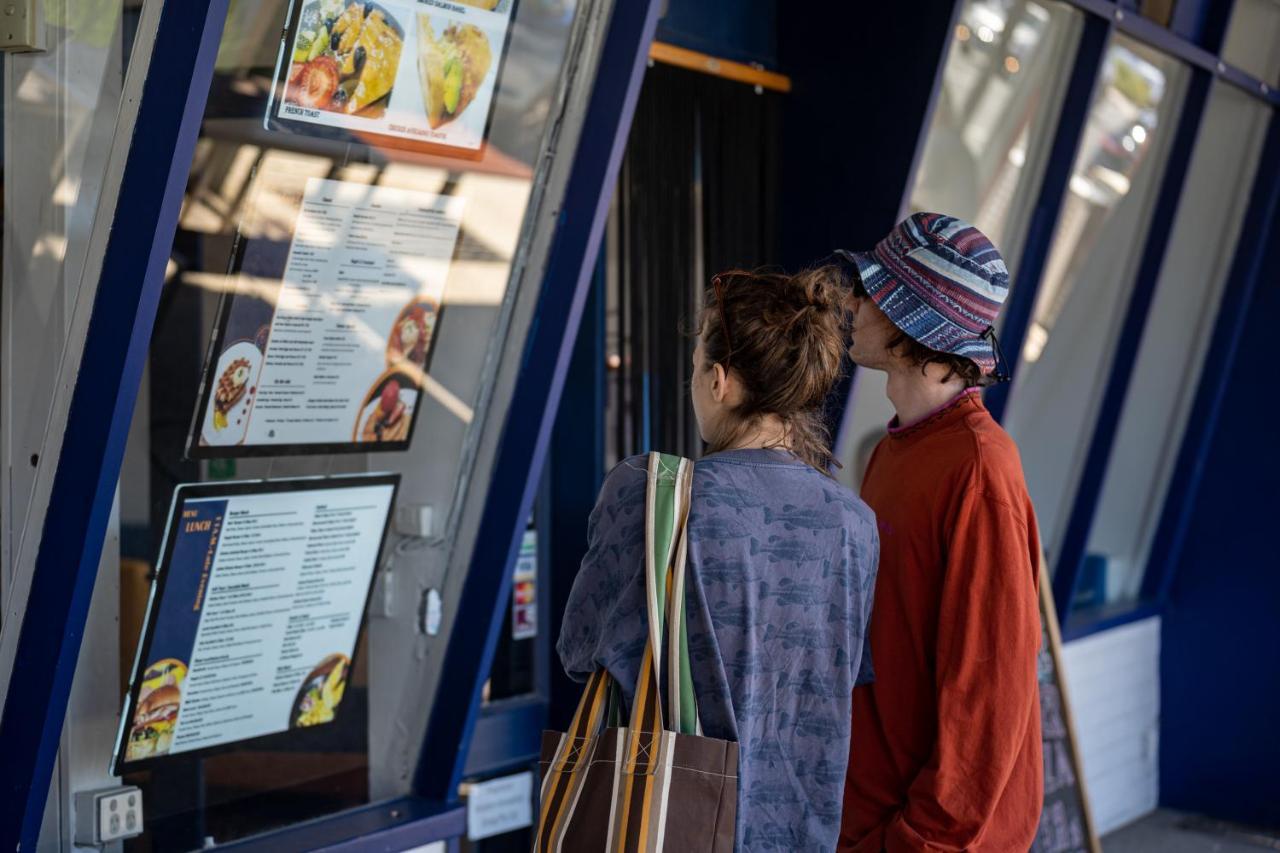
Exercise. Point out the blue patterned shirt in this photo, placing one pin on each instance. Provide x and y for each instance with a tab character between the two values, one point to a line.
781	575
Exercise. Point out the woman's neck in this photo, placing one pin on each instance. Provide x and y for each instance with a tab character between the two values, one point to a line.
768	432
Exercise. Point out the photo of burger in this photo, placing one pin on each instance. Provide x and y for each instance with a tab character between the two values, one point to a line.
168	672
410	337
321	693
153	723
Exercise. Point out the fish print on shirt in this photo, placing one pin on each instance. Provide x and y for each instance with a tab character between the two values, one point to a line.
781	572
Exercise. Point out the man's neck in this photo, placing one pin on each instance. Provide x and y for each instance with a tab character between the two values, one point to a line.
915	394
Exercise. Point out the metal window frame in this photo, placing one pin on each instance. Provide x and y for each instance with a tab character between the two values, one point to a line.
55	573
1195	36
147	176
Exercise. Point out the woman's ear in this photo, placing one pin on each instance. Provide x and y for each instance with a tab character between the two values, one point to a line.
719	383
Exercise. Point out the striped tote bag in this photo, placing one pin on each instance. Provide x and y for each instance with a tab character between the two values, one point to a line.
645	787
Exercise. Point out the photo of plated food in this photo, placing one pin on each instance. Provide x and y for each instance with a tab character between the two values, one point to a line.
232	385
232	395
154	722
321	693
499	6
168	672
345	57
387	412
410	337
452	65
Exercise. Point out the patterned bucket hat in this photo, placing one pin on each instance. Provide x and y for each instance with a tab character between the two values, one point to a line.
941	282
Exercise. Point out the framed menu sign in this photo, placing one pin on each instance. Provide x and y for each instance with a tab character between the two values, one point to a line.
323	343
406	73
255	613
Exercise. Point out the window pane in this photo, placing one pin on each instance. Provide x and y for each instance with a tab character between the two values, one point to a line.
985	152
1000	97
1089	272
1174	343
1253	39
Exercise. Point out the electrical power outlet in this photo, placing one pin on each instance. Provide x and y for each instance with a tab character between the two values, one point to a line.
107	815
21	26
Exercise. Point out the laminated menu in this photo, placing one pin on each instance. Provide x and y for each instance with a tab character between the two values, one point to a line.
255	613
420	73
331	356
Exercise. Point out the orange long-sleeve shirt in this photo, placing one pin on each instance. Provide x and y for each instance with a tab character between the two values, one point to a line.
945	753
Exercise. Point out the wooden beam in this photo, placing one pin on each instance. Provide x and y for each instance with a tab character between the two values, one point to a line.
729	70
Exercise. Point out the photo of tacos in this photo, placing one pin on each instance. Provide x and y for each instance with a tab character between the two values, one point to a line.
387	412
153	723
452	65
410	337
321	693
345	57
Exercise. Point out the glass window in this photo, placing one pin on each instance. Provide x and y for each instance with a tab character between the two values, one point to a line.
1253	39
1089	273
393	267
985	151
1001	91
1174	343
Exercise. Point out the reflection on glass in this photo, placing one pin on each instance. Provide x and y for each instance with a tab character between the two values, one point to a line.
1252	43
1101	228
1174	344
986	148
257	201
999	101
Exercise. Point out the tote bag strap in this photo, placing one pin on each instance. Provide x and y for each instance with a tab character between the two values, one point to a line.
669	491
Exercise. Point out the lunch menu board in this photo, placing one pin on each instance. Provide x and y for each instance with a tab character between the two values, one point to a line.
325	348
255	612
1065	825
417	72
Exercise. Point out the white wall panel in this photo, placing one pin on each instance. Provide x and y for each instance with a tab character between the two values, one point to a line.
1113	679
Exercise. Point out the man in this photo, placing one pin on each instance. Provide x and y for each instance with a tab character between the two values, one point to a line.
945	753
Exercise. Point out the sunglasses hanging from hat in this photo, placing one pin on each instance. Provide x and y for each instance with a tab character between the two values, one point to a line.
1000	373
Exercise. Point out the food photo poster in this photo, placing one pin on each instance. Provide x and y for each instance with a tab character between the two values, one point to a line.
256	613
323	342
417	71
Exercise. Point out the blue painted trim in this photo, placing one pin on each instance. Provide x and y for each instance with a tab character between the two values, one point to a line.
1202	22
527	430
1053	189
1203	55
391	826
1246	276
1087	623
506	736
575	472
1084	506
163	139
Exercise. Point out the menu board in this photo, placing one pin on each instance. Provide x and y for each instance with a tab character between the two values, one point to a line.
1066	825
255	613
420	73
329	354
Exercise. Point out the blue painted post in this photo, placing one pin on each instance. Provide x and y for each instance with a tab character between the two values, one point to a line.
115	348
537	394
1248	273
1084	505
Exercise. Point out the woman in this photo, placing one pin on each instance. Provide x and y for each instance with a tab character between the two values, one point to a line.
782	559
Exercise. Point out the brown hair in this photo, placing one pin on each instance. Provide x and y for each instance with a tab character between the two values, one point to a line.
785	342
921	356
